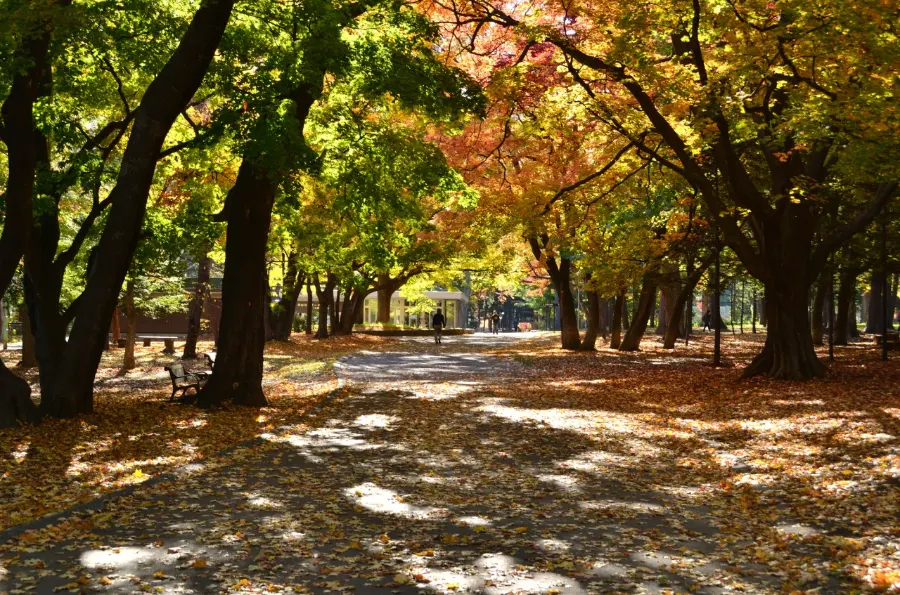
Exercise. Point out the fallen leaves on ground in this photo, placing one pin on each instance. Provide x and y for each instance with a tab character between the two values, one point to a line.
135	434
520	468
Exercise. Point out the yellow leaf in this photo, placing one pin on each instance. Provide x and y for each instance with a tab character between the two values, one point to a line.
199	563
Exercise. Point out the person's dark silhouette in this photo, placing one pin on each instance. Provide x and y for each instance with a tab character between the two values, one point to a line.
707	320
437	323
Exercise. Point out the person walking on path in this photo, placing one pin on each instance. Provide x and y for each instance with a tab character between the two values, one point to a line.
495	323
437	323
707	320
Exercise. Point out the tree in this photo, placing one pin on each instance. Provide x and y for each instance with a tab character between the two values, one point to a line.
68	367
26	68
395	58
761	165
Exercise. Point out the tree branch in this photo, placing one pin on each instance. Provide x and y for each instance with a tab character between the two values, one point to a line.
587	179
120	87
835	240
69	254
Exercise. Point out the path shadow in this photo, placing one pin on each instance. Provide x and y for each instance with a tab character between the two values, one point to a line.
477	476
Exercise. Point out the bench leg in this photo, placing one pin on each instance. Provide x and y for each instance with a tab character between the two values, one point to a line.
146	342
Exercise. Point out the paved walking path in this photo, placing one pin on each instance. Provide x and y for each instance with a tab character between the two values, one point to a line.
414	478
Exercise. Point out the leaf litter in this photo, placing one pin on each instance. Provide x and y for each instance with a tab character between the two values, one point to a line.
536	471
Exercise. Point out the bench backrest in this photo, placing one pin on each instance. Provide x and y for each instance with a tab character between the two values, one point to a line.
176	371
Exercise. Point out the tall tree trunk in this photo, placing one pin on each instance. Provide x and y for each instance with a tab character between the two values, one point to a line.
818	307
131	317
4	324
593	322
632	340
346	320
571	337
385	289
237	375
669	290
309	308
616	331
164	100
268	315
195	309
116	329
326	296
29	352
283	314
353	308
789	353
43	285
561	276
334	306
875	316
19	137
663	321
604	318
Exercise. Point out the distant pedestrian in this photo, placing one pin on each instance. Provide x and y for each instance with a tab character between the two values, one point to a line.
495	323
707	320
437	323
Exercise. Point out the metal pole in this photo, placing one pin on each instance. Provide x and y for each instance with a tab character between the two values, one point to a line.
754	311
717	316
831	317
886	316
688	318
717	313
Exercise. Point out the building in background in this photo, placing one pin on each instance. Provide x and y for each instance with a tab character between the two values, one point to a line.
453	304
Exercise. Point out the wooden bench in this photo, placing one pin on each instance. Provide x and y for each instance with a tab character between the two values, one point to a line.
169	342
893	341
183	379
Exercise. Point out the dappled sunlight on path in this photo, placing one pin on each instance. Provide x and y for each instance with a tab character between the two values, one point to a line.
461	470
